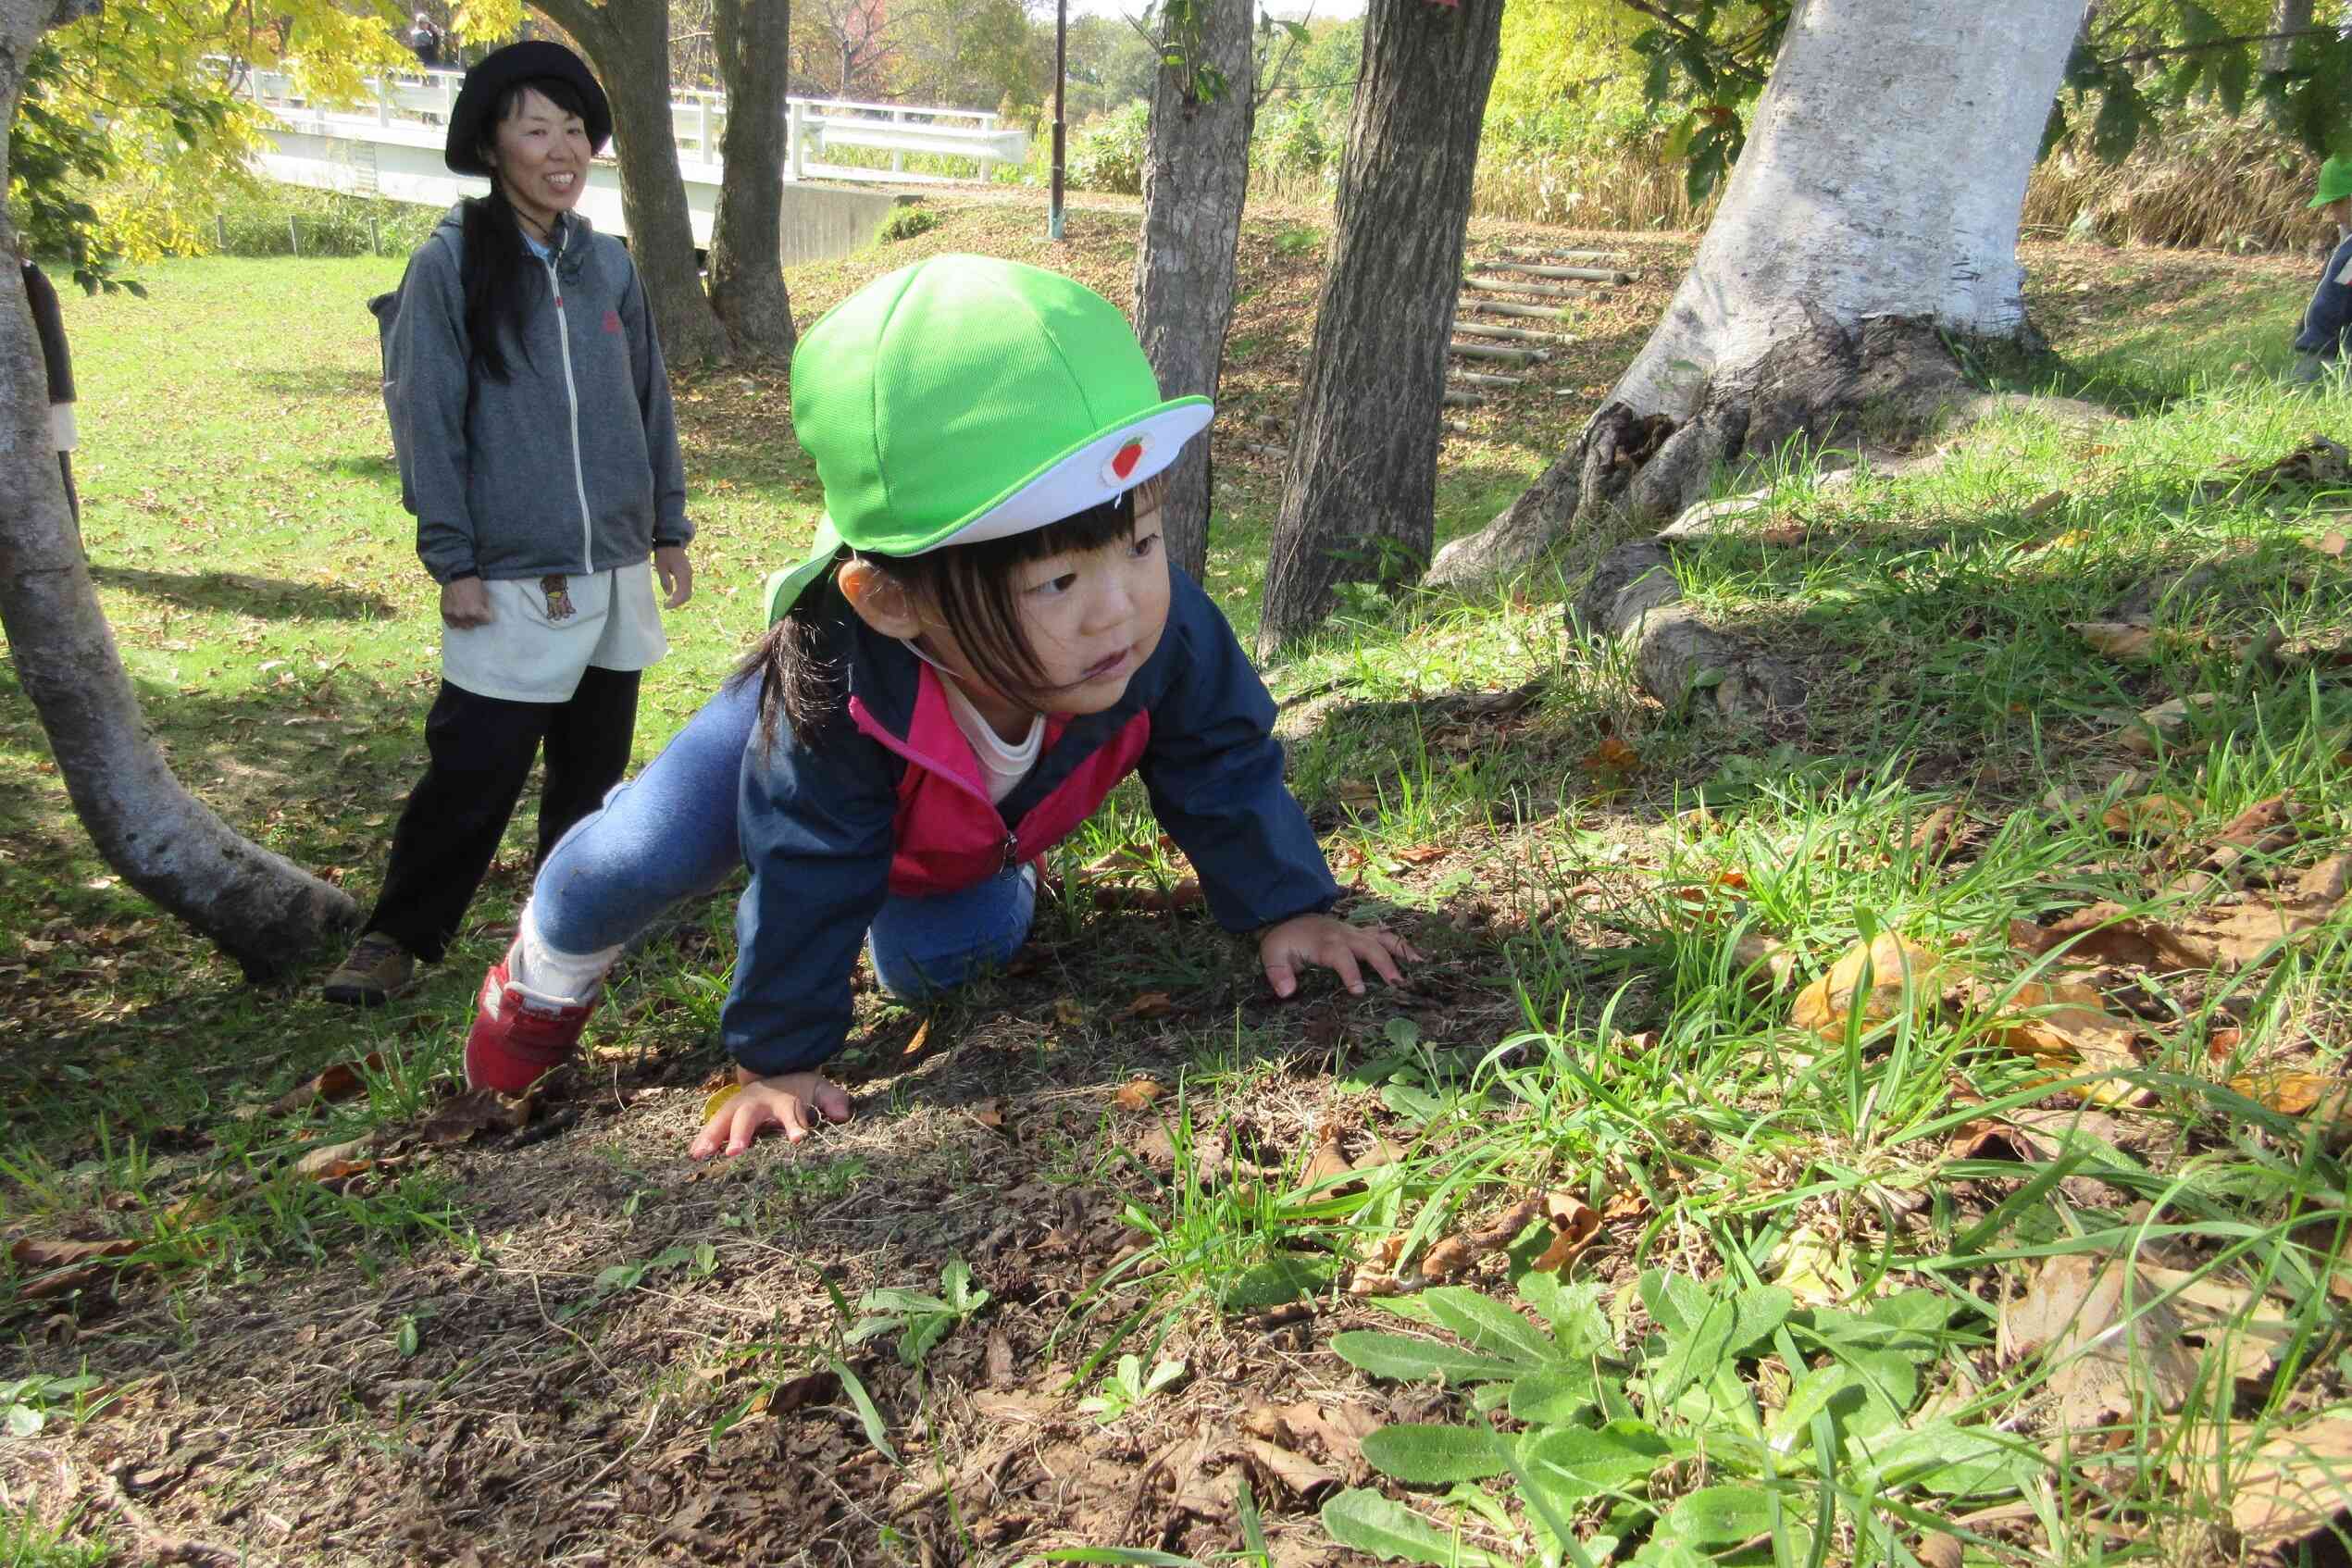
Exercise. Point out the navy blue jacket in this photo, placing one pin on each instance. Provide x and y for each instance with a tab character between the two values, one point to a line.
2330	312
892	802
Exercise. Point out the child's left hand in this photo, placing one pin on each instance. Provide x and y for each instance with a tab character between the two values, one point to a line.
1335	945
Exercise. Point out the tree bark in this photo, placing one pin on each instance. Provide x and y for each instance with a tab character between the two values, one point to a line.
1196	173
1359	493
754	42
262	911
1850	207
627	42
2286	16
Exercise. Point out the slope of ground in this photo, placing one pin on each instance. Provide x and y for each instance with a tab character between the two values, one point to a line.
278	1293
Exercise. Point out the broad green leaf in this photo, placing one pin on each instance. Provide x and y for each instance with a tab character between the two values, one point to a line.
1674	1303
921	1334
1953	1461
1891	1387
1392	1532
1572	1461
1414	1105
1555	1395
1431	1456
1275	1281
1719	1515
24	1421
1693	1352
1662	1551
1409	1360
897	1299
1760	1313
1489	1325
1578	1323
1809	1396
1720	1400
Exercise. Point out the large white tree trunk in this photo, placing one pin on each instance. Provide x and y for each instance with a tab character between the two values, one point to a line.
263	911
1881	184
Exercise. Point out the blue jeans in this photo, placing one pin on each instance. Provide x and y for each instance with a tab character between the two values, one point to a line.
669	834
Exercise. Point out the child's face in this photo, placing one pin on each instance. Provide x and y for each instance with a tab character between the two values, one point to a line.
1093	617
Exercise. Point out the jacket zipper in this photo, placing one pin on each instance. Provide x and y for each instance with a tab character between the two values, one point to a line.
571	395
1011	849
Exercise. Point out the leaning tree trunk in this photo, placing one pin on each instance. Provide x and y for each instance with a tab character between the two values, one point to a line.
1196	171
753	41
265	911
1872	215
1359	494
628	40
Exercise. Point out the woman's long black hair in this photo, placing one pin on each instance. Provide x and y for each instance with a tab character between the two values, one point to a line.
498	270
969	586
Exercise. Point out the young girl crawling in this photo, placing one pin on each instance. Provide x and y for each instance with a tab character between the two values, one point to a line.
987	638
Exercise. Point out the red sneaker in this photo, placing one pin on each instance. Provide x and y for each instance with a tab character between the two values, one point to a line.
518	1035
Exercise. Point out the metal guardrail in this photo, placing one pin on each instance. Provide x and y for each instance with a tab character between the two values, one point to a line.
698	119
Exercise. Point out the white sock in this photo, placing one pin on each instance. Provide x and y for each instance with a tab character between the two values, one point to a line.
551	974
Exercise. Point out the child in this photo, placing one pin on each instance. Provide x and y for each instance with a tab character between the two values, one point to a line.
2326	318
986	638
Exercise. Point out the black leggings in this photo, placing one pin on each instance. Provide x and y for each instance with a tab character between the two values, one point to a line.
481	749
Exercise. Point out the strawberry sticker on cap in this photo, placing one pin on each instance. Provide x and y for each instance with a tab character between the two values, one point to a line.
1124	461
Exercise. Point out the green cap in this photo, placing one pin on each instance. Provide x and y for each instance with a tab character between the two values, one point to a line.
965	399
2335	181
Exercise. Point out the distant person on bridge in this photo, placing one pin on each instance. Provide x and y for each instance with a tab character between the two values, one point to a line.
531	417
426	40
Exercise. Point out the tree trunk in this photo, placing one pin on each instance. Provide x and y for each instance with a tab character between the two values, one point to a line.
1359	494
2286	16
1196	171
627	42
1881	184
754	42
264	912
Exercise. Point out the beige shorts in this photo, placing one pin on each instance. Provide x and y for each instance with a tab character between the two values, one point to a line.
544	632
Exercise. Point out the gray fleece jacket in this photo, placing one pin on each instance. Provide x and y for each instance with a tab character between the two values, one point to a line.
570	464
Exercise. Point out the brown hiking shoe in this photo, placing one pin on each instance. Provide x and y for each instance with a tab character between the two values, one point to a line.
376	970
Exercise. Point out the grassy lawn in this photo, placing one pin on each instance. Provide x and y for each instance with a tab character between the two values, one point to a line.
1912	1132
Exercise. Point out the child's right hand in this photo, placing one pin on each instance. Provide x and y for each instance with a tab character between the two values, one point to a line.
793	1102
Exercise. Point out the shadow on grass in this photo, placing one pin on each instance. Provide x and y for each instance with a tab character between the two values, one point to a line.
243	593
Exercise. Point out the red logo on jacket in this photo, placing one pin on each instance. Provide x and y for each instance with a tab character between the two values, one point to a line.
612	321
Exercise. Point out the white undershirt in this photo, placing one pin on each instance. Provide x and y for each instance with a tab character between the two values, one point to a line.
1002	763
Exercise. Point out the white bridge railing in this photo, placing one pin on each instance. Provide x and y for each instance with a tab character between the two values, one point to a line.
816	126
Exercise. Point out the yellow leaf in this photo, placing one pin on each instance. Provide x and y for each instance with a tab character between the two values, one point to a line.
719	1098
1137	1094
1067	1012
1899	973
2125	641
2156	815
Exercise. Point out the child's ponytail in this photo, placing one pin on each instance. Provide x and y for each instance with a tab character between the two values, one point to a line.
800	690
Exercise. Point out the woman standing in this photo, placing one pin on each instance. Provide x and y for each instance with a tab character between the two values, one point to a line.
536	448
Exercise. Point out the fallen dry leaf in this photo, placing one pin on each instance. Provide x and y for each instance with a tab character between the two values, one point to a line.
1328	1164
2166	724
2042	507
2074	1309
2319	1097
1895	969
1767	964
341	1081
1417	854
1934	837
1576	1224
1148	1004
2225	935
1613	756
1302	1478
2285	1485
335	1162
46	1252
2127	641
1136	1094
485	1110
2153	815
990	1114
922	1036
1067	1013
2066	1027
2330	544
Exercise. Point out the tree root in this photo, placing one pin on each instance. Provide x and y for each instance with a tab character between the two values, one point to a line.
1635	599
1889	381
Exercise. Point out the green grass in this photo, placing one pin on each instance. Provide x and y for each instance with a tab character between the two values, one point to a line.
1602	883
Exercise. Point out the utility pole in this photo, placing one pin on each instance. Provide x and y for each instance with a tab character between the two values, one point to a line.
1061	76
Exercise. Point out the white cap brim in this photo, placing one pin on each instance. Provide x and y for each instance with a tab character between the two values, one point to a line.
1090	476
